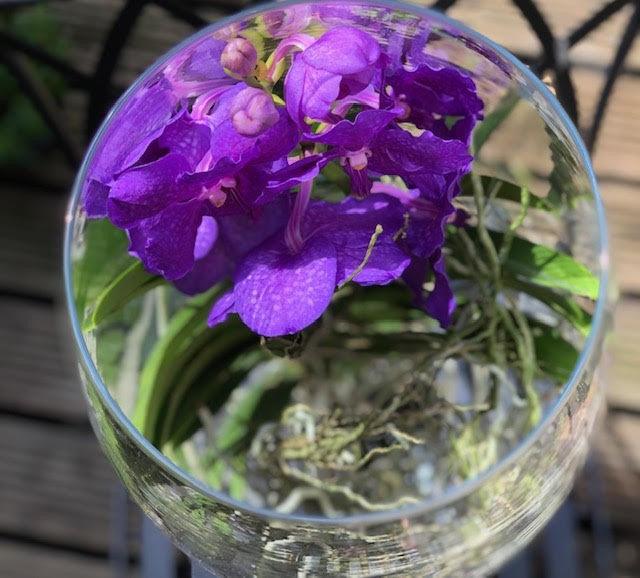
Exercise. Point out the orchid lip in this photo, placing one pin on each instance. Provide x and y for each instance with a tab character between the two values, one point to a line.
217	194
359	159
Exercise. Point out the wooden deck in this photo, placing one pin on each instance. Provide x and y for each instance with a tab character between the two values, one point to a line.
56	489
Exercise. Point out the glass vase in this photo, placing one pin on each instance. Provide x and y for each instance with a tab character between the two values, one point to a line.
467	529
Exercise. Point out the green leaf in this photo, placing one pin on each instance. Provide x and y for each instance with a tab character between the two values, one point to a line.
556	357
265	389
562	303
262	400
541	265
129	284
103	256
508	192
493	120
109	349
207	380
186	332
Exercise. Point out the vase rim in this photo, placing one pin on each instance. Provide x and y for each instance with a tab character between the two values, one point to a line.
452	493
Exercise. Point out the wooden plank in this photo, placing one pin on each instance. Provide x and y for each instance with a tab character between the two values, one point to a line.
37	373
618	146
618	456
31	561
55	485
622	204
623	367
31	241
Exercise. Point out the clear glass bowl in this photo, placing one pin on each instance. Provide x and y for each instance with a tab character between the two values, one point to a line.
468	529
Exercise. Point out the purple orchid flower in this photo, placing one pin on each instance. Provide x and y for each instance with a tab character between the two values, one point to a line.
140	122
373	143
286	284
428	210
341	62
162	203
211	177
438	98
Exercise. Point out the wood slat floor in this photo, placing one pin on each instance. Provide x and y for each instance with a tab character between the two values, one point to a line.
56	488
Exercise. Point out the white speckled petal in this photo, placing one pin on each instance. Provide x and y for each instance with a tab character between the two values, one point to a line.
278	293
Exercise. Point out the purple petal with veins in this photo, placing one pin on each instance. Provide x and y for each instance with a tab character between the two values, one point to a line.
277	293
397	152
137	124
143	191
340	63
440	302
187	138
293	175
435	91
349	227
358	133
343	50
166	241
212	263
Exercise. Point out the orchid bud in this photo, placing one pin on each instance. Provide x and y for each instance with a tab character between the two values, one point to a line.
253	112
239	57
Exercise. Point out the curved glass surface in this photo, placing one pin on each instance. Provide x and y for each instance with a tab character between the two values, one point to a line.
468	528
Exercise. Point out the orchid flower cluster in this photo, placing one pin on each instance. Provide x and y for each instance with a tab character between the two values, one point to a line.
213	172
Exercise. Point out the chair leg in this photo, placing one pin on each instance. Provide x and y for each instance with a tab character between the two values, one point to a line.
119	533
158	557
559	544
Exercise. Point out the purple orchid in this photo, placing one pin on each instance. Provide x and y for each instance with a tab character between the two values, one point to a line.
373	141
286	284
341	63
439	98
140	122
210	171
162	203
428	210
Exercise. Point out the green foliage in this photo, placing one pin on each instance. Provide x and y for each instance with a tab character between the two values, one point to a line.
133	282
562	303
493	120
22	130
507	192
102	257
187	331
543	266
556	356
262	399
